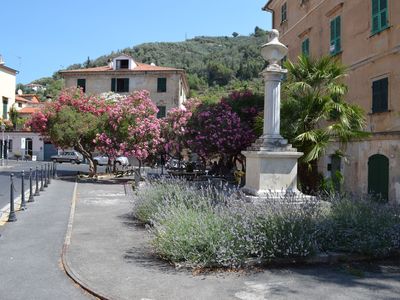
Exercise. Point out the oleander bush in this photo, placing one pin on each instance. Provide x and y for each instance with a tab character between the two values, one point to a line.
207	225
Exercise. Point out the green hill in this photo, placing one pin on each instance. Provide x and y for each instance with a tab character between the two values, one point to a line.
214	65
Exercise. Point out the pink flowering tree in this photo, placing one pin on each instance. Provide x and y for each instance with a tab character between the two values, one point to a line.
131	128
217	131
175	129
72	121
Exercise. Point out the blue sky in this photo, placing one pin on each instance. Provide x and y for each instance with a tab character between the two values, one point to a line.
39	37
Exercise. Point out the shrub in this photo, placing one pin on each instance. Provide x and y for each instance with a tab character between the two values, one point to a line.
361	226
205	225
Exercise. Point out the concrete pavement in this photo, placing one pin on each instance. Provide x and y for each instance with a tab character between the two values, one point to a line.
30	249
109	254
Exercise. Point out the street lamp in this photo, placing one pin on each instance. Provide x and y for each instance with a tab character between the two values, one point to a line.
3	127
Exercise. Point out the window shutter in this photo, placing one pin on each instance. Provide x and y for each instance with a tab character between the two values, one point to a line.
338	45
379	15
375	96
112	84
126	85
384	94
380	95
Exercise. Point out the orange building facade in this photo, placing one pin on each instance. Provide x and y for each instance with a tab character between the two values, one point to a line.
365	36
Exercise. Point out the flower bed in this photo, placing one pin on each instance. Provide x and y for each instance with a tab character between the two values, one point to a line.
204	226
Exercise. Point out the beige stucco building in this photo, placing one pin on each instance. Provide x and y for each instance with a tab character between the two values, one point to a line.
365	36
7	89
168	87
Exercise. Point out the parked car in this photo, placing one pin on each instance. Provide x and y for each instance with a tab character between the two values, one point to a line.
68	156
102	160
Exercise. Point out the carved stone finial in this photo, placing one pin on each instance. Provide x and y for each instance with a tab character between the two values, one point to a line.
274	50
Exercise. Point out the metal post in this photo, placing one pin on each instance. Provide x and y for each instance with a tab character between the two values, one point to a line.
23	203
12	217
55	170
45	176
3	127
41	179
30	187
8	145
49	173
37	193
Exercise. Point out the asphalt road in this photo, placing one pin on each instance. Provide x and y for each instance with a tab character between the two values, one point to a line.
16	168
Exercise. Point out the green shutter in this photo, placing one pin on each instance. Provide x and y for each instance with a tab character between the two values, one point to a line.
380	95
284	12
335	44
305	47
112	84
161	85
379	15
126	85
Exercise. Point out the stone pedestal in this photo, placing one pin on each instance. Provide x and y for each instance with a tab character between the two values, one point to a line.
271	173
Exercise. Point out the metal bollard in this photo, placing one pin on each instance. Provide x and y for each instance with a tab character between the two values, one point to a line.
49	173
45	176
30	187
12	217
37	193
54	170
41	179
23	203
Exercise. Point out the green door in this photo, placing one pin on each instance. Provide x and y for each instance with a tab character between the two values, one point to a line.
378	176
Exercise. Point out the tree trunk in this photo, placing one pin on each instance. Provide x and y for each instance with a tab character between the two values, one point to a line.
88	156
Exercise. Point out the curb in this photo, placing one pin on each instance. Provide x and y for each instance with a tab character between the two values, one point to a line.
5	211
64	254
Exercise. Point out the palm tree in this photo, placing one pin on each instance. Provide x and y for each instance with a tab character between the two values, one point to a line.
315	113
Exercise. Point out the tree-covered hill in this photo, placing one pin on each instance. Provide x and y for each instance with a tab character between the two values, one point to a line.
213	64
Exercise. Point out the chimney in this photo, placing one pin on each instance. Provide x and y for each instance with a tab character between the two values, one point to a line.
110	63
1	60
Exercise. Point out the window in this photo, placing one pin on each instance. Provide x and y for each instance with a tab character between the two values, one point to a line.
19	104
161	85
162	112
305	47
81	83
10	145
122	64
5	108
120	85
336	45
284	12
380	95
379	15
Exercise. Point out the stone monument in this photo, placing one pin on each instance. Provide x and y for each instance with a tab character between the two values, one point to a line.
271	163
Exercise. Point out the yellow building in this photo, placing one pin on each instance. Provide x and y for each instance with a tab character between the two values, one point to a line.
365	36
168	87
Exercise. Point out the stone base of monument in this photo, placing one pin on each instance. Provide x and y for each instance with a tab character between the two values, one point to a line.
271	174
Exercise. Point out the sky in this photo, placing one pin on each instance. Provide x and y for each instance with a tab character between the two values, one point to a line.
39	37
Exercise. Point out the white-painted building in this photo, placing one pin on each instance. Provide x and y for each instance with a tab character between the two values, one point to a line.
7	89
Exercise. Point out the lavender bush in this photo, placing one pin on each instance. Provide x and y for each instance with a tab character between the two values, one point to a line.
202	226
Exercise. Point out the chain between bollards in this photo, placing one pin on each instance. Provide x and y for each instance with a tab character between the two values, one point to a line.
30	187
12	217
23	203
37	193
41	179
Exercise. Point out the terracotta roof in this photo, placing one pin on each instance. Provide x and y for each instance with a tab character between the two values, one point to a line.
31	98
139	68
28	110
